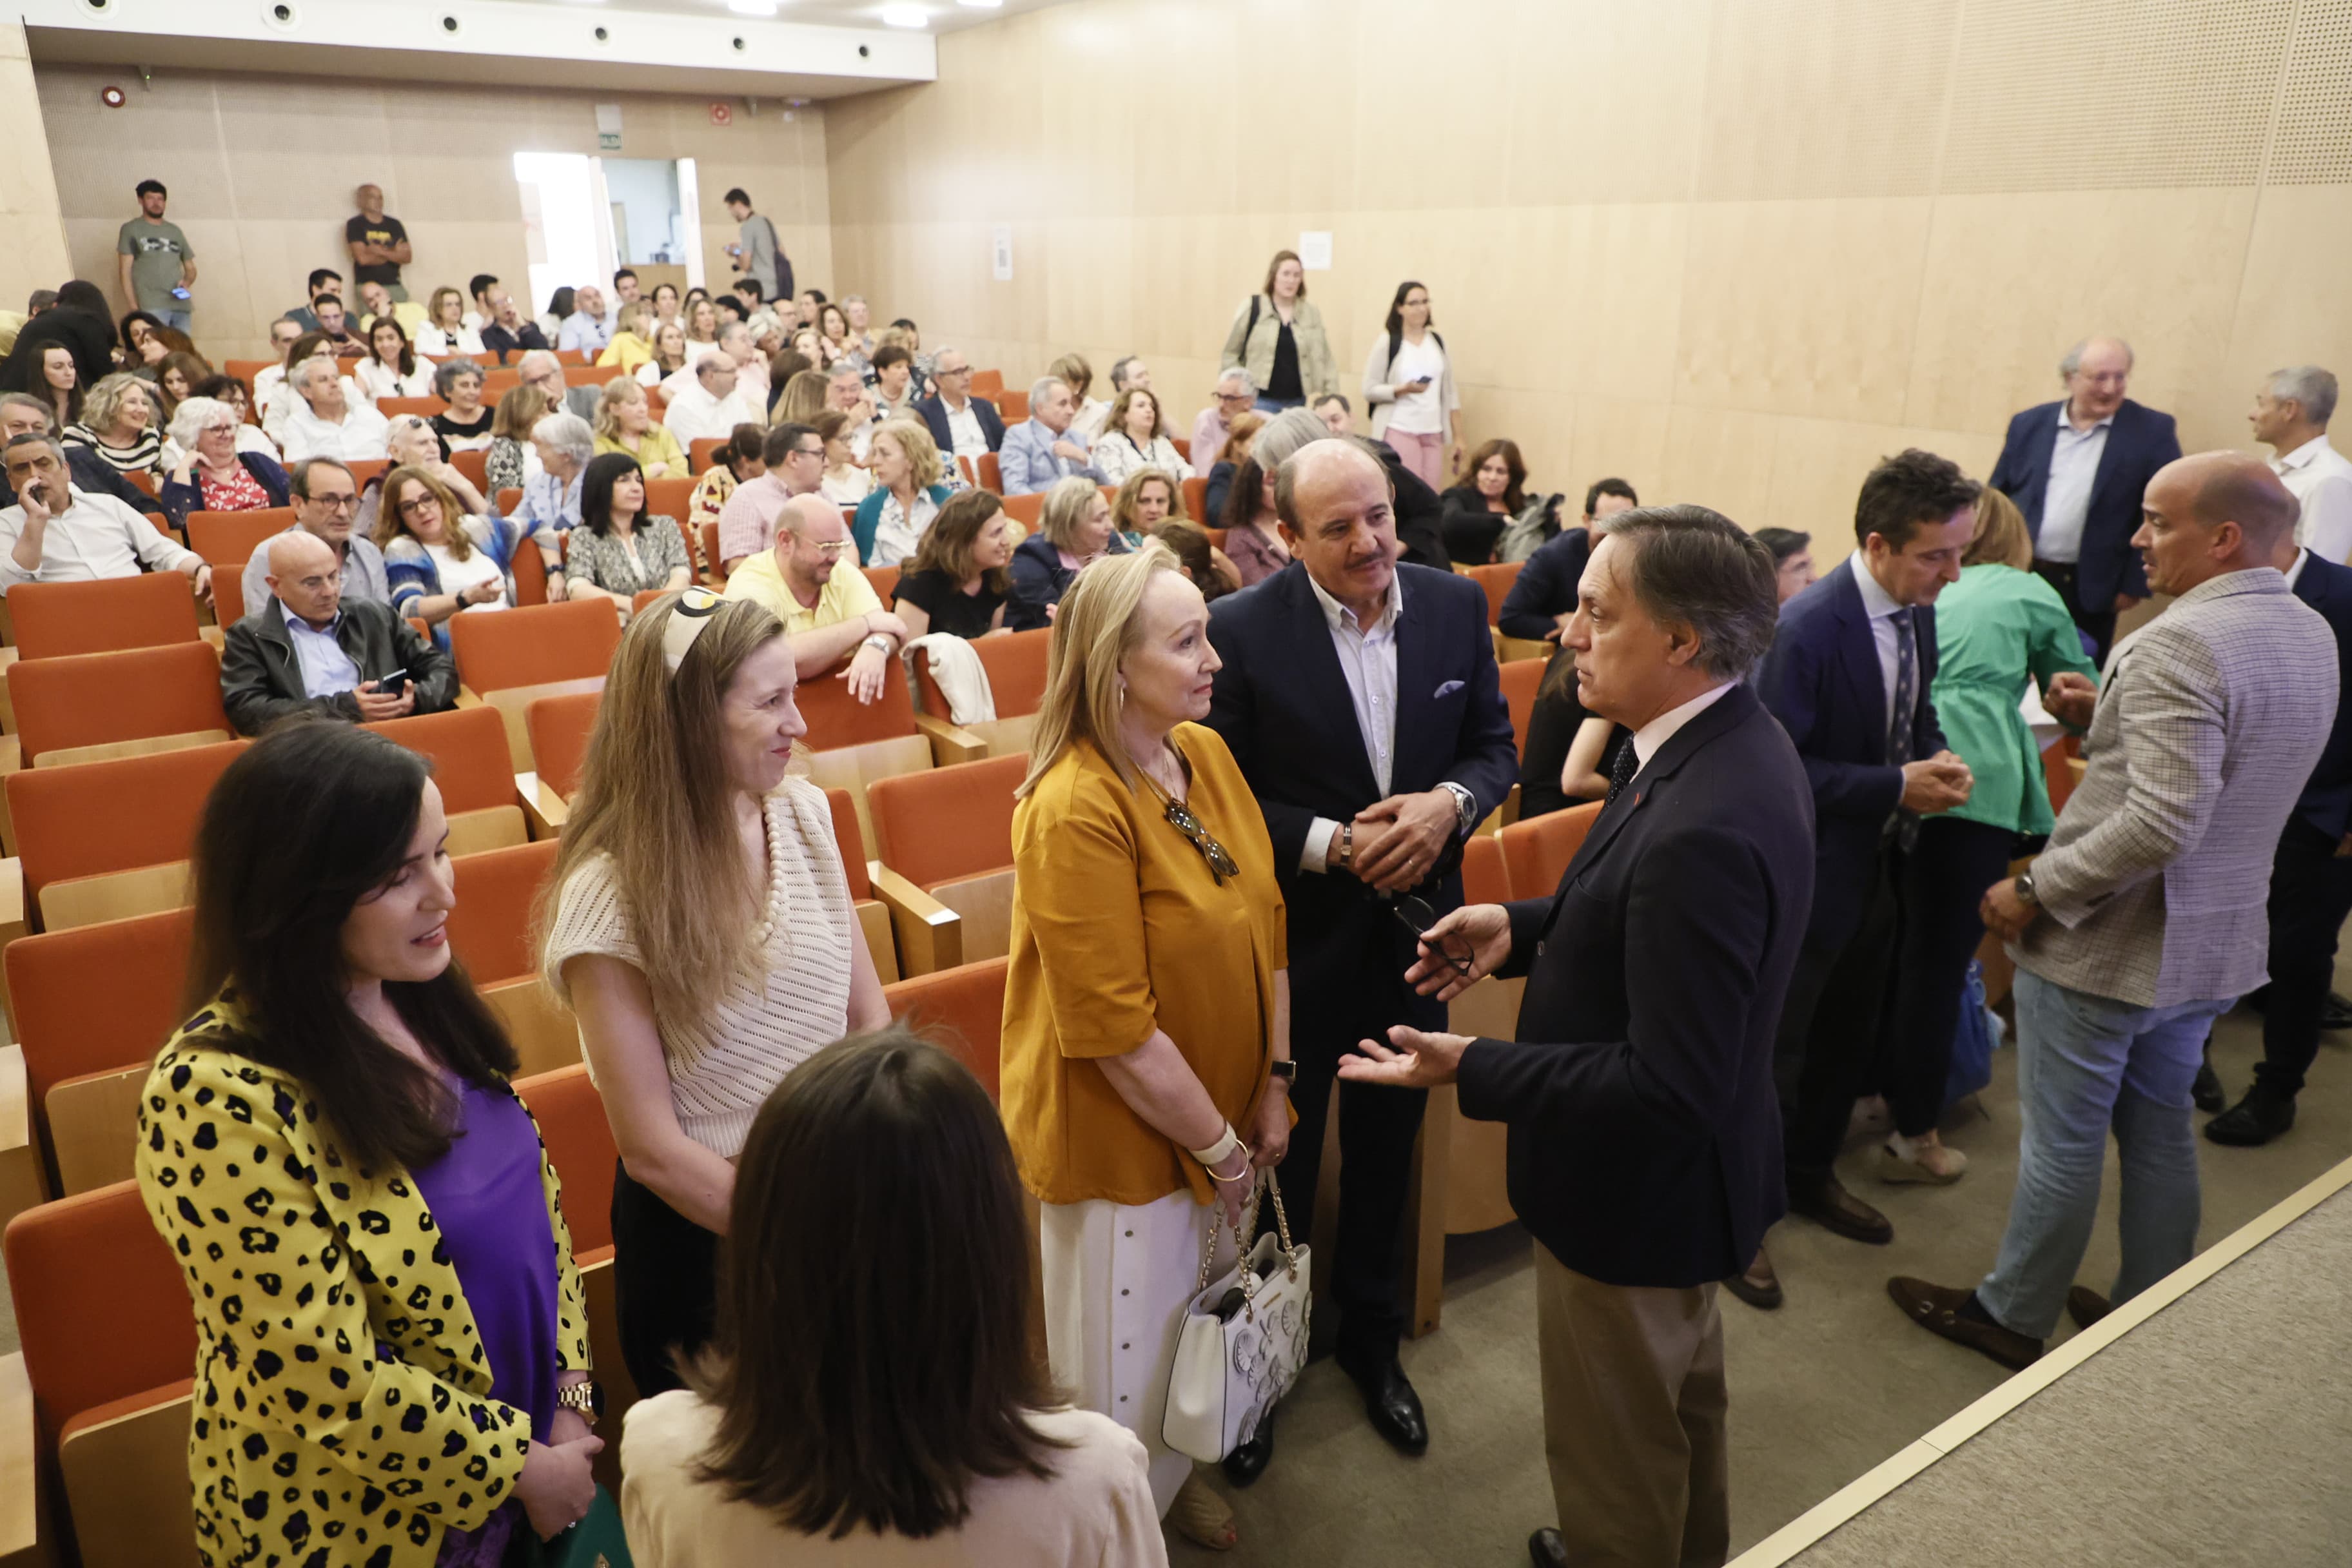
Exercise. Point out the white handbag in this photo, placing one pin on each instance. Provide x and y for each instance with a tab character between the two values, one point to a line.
1235	1360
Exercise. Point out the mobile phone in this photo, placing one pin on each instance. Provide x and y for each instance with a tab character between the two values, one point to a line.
179	292
392	685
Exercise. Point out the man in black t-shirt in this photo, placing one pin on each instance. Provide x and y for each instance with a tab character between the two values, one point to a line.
378	243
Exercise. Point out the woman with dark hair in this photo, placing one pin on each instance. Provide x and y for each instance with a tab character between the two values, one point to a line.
144	347
802	1436
1277	337
1203	564
1218	496
60	386
1408	387
520	408
1488	493
465	424
175	382
1568	750
617	552
337	1070
80	321
560	306
958	581
392	368
741	457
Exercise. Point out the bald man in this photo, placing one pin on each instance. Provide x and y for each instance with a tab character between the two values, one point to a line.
2077	469
307	649
811	580
2144	919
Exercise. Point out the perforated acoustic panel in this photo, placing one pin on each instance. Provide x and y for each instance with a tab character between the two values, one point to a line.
2312	144
2098	94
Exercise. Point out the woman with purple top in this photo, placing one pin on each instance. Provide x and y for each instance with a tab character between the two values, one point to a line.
392	1360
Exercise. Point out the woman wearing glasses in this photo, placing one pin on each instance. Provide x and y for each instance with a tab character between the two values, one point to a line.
1147	1008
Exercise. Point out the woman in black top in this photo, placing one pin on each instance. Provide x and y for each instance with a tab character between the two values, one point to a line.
79	322
1489	491
1555	728
465	424
958	582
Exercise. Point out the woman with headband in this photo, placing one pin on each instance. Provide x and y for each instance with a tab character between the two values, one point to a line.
699	925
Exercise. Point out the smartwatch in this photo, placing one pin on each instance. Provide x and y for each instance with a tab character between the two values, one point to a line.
1288	1071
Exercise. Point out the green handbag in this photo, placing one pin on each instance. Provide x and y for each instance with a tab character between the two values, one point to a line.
596	1541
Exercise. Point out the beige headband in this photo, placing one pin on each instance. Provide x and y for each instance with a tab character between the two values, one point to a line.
695	610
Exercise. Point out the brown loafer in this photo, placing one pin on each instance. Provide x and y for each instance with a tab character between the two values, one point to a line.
2085	1306
1936	1309
1758	1286
1828	1204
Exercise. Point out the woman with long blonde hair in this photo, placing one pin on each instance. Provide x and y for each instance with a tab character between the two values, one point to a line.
699	923
1147	1004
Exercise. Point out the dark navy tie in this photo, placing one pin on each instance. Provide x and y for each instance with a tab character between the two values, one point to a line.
1621	771
1899	735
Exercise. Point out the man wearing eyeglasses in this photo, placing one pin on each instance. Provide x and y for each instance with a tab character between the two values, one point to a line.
326	504
58	532
1235	395
830	611
308	649
794	457
544	371
962	424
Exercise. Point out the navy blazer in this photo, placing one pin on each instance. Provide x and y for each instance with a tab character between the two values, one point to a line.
2140	441
1545	588
1644	1136
2326	799
935	415
1821	680
1282	707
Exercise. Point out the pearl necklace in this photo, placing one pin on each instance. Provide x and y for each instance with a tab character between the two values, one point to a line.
765	929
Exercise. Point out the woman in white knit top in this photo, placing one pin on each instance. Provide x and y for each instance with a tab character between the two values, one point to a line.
699	925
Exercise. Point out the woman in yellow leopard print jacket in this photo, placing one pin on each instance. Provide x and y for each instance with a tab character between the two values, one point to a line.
392	1361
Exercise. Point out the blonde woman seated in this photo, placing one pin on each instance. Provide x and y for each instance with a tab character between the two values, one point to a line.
632	339
908	491
805	396
445	330
1134	439
438	561
617	552
117	423
520	408
845	482
1147	1004
668	356
1074	531
699	925
625	423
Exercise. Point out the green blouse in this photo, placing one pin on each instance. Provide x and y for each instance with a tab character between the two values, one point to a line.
1994	627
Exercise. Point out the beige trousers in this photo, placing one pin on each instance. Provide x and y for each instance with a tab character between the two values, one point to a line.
1634	1420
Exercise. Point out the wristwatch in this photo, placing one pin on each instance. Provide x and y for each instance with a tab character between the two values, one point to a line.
1288	1071
584	1398
879	640
1466	808
2022	884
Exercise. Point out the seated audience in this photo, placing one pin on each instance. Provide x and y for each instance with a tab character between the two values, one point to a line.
1338	417
738	460
60	383
811	302
142	344
339	1070
561	308
58	532
326	501
845	388
1236	395
861	317
894	382
229	390
117	423
325	420
666	308
1148	497
966	1454
541	369
632	343
444	330
958	583
908	493
1074	530
669	355
1045	447
334	325
1072	371
835	343
1132	439
376	304
467	425
322	280
811	580
392	368
702	325
175	382
440	561
409	442
845	482
793	464
519	410
1489	491
625	423
80	323
618	551
505	332
24	415
273	394
961	425
564	445
1792	558
714	402
782	368
901	334
1203	564
806	396
307	650
1543	595
210	474
588	329
1567	751
1228	508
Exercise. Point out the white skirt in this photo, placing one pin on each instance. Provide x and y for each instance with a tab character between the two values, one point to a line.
1115	1280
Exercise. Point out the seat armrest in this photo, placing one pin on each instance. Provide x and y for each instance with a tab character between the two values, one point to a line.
950	745
466	698
20	1485
931	934
545	810
23	1184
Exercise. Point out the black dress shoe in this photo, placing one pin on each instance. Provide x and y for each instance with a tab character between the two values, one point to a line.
2337	1013
1828	1204
2205	1093
1248	1461
1393	1408
1546	1550
2085	1306
1758	1286
2254	1120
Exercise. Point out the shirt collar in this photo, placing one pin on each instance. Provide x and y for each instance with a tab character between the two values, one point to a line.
2066	425
1336	616
1875	600
2302	457
295	623
2299	557
1660	730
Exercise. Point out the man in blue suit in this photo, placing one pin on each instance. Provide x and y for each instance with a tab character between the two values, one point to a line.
1361	700
1848	678
2077	469
2311	887
961	425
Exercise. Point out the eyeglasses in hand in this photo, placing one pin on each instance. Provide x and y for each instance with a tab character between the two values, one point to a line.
1417	917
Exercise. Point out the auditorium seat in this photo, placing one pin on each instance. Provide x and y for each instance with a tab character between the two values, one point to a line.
992	474
475	464
1013	406
1519	683
1015	664
106	840
883	580
572	359
1535	852
513	658
698	452
1026	510
1196	503
235	535
851	743
1496	581
948	833
365	469
1467	1156
490	927
88	707
672	498
559	727
1184	444
55	619
245	370
987	382
423	407
962	1008
506	500
714	570
873	915
474	771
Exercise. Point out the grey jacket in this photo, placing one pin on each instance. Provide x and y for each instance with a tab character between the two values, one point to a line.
2154	886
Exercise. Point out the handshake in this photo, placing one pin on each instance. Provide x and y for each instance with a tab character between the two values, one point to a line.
1938	783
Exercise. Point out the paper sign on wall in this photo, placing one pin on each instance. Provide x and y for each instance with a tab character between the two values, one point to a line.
608	128
1315	250
1000	245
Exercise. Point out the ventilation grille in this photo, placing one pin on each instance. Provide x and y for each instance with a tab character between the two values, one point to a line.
2314	143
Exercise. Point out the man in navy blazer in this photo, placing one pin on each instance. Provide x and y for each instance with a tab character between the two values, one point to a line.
1848	678
1644	1142
952	372
1360	698
2311	887
2077	469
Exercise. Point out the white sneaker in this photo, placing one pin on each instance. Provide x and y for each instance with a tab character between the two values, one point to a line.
1902	1161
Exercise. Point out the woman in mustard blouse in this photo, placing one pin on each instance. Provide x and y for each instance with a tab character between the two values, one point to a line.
1147	1008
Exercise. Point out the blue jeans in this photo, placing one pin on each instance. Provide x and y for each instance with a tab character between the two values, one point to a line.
2086	1063
176	319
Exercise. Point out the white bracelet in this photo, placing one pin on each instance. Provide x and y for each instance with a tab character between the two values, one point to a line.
1221	1148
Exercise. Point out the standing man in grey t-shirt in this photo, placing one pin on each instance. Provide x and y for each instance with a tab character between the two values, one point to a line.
158	269
759	253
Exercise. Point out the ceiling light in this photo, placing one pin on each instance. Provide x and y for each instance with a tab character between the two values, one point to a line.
983	5
752	7
904	16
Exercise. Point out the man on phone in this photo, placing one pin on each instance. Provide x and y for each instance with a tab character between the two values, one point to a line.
58	532
307	650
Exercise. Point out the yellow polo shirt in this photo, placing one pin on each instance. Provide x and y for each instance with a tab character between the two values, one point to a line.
847	594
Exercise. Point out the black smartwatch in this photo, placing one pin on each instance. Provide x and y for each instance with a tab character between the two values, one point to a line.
1288	1071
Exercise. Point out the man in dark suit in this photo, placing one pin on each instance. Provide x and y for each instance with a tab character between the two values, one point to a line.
1361	700
1848	678
1645	1146
2311	887
1543	595
2077	469
954	405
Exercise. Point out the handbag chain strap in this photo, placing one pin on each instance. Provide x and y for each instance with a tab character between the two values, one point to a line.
1241	1245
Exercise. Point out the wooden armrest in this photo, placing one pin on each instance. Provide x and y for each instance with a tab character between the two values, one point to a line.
22	1181
466	698
931	934
12	754
11	900
215	635
1503	816
950	745
545	810
19	1455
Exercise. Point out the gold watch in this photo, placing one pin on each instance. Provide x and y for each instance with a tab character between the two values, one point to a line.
584	1398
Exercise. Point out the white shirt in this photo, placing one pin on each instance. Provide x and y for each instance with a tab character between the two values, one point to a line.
695	415
2295	570
896	534
963	429
2066	502
2320	478
1419	414
377	380
327	670
1660	730
360	435
1368	660
1882	609
95	537
432	340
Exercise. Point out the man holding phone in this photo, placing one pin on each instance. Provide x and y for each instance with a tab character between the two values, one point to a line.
309	650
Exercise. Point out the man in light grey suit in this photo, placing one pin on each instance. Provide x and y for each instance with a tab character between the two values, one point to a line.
2145	917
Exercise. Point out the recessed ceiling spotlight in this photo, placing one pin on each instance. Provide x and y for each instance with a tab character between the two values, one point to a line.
904	16
752	7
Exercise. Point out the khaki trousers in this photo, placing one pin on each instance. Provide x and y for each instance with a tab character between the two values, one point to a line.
1634	1419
